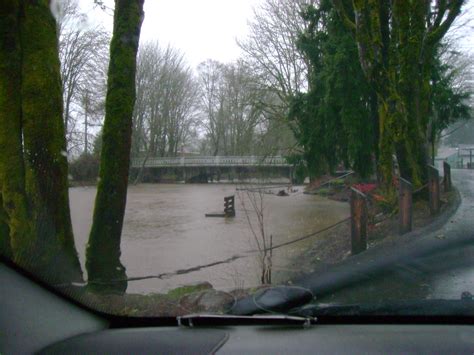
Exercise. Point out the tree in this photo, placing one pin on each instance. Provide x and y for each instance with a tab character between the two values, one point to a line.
33	165
230	107
103	251
211	102
397	42
332	121
271	50
165	111
450	94
83	52
253	204
16	235
279	68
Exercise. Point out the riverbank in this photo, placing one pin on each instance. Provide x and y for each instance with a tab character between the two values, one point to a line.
328	248
334	245
349	279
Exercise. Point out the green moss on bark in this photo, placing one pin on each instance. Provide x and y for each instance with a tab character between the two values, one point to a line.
45	144
5	247
397	42
103	252
14	210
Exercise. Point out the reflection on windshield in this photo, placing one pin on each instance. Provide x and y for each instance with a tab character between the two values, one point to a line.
329	162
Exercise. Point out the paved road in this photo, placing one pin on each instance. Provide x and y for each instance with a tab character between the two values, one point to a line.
445	271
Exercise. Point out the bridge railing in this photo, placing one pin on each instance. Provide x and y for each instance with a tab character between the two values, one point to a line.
210	161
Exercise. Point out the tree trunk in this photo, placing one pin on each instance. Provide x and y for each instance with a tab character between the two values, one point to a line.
46	169
15	221
104	268
139	176
5	247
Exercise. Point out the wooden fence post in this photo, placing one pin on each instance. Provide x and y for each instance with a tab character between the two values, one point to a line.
406	206
433	187
358	221
447	176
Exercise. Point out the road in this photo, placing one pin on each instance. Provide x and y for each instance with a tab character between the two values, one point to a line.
438	265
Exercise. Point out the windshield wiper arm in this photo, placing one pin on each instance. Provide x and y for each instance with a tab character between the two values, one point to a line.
192	320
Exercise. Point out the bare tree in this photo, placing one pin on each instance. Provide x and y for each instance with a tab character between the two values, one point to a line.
83	52
229	107
165	109
211	102
253	204
270	49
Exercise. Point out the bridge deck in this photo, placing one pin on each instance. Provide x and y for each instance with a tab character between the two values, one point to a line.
211	161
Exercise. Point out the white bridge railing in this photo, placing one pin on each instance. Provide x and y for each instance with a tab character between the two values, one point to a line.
209	161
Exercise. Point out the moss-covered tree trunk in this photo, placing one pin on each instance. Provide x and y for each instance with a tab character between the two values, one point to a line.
103	253
46	169
5	246
35	224
14	218
397	41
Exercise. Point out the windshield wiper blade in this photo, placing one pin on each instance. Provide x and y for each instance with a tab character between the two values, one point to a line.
433	307
277	299
193	320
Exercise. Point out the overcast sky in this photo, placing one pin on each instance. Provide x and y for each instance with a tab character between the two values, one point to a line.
202	29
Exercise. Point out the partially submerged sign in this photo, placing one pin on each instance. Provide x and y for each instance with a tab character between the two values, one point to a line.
229	208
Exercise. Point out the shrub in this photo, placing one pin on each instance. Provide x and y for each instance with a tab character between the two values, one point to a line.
84	168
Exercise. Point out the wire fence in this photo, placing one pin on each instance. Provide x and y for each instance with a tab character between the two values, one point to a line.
299	239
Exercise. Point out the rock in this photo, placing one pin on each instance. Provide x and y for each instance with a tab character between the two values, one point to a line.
201	285
207	301
282	193
178	292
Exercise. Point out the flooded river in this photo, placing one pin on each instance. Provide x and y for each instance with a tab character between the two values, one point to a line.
166	233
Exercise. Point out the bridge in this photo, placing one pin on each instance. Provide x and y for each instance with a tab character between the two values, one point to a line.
210	161
205	168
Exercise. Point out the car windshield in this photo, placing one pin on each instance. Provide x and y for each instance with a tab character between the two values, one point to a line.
165	158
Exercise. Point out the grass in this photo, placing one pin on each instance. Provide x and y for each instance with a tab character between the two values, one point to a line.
338	183
324	191
179	292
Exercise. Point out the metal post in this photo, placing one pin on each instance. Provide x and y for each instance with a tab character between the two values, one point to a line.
358	221
433	187
406	206
447	176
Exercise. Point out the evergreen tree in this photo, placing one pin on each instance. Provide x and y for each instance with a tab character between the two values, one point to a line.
333	121
397	42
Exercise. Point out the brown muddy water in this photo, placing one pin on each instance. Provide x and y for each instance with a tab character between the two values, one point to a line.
166	234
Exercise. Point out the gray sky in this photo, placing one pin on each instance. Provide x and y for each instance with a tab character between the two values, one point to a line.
201	29
204	29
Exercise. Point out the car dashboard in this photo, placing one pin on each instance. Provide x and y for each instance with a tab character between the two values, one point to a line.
35	320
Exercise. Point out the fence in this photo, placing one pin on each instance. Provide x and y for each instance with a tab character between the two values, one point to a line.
359	207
